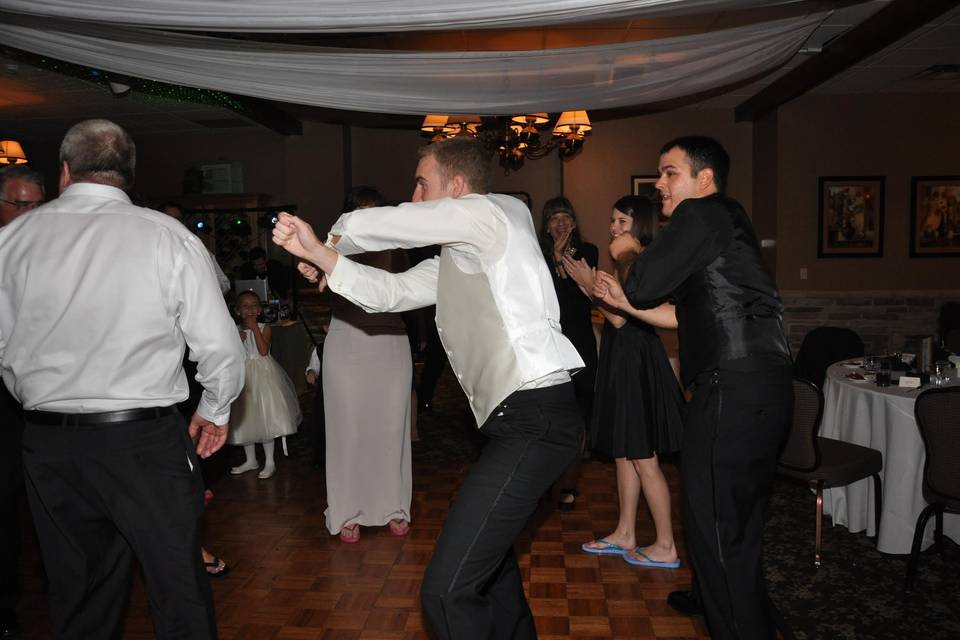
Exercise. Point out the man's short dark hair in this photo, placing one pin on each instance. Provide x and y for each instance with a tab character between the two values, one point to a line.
20	172
258	253
704	152
463	156
99	151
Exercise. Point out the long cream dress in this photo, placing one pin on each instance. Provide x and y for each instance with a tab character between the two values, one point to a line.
367	380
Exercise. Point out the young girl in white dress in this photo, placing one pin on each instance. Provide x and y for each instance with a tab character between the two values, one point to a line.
267	407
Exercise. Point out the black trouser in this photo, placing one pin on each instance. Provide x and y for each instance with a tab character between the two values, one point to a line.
735	426
472	587
11	486
102	494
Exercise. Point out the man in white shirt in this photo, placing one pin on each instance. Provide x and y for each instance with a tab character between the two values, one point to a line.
498	319
98	300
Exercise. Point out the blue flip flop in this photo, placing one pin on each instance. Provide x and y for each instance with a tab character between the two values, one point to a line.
608	548
647	562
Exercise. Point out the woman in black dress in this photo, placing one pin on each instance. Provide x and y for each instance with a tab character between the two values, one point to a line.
559	237
637	404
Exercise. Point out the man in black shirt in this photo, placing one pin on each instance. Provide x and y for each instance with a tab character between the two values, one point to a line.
734	355
259	267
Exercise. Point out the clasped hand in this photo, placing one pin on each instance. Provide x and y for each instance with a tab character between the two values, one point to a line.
607	288
298	237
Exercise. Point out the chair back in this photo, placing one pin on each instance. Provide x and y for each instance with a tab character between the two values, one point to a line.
938	418
951	340
801	452
949	316
822	347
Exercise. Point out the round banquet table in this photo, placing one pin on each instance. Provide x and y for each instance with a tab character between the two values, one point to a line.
883	419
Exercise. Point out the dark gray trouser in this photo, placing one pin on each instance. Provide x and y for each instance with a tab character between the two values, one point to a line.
101	495
472	588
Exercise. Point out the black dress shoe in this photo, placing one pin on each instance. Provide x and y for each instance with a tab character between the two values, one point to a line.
685	602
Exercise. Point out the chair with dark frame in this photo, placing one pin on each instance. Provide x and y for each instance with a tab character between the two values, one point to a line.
938	418
821	462
822	347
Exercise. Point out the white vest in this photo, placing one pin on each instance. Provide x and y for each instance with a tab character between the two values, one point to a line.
500	326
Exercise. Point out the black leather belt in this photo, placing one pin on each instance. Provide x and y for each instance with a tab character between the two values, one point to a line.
86	419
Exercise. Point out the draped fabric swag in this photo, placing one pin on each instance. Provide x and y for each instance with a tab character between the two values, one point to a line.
343	16
486	82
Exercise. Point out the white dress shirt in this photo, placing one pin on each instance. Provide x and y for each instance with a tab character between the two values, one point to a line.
475	232
314	364
97	297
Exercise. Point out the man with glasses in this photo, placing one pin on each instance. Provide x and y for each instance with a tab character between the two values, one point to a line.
21	189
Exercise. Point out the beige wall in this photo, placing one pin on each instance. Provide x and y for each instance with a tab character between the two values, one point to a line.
619	149
885	135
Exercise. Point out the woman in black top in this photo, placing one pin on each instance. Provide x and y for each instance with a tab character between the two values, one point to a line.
638	399
559	237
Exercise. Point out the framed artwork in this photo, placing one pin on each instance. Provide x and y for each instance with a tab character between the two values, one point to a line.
851	217
643	186
935	216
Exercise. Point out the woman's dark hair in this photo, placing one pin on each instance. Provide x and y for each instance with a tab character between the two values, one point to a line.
551	207
362	197
645	217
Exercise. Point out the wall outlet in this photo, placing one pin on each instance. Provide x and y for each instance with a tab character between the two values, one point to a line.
803	273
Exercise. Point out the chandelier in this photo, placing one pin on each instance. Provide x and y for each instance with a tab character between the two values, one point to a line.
518	138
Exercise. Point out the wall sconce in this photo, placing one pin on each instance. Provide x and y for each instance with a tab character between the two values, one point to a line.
12	153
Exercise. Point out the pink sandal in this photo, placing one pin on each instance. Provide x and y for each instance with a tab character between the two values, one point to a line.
350	534
399	527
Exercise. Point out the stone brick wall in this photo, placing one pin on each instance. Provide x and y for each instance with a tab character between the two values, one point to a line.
886	320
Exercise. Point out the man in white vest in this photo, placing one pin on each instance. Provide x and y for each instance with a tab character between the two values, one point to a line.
498	319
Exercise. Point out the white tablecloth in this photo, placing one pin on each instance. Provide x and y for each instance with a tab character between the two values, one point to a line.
883	419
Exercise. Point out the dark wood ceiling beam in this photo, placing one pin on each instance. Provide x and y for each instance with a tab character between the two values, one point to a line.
886	26
268	114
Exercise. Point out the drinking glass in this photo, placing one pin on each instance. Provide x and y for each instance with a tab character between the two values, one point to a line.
870	363
883	373
940	374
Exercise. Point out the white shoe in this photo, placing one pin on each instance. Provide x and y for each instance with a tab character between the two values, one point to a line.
246	466
267	472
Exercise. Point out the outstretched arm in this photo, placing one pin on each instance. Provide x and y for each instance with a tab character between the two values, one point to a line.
608	289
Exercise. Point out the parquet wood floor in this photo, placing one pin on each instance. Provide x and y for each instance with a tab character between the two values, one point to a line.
291	580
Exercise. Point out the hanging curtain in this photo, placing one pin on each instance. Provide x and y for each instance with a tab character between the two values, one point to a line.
362	15
493	83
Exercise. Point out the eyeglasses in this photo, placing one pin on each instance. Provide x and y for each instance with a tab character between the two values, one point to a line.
23	204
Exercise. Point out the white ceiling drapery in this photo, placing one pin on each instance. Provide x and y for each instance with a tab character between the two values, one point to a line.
492	83
344	16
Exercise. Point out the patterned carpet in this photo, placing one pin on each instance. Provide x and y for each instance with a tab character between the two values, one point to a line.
856	594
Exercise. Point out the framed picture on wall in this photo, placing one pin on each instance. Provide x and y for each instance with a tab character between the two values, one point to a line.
851	217
643	186
935	216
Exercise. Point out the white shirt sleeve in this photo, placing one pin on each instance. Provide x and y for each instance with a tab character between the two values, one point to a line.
314	364
470	225
208	329
377	290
